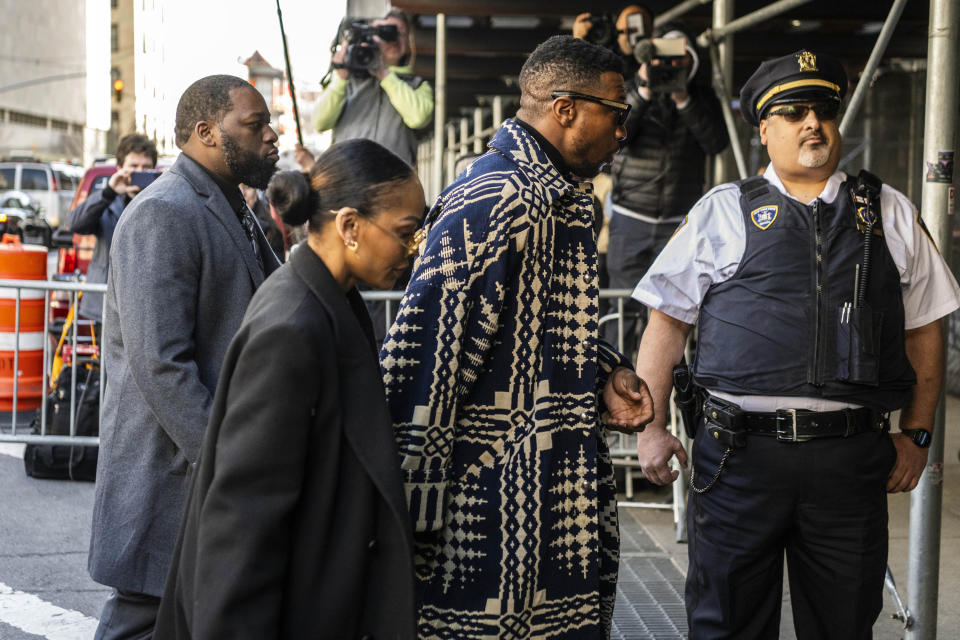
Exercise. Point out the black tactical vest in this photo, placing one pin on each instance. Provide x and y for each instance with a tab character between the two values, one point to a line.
780	325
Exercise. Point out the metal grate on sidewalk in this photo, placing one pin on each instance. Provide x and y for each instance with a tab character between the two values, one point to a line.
649	589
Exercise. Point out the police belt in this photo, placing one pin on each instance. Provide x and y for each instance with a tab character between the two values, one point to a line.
795	425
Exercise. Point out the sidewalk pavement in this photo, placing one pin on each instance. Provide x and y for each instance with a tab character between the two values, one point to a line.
654	563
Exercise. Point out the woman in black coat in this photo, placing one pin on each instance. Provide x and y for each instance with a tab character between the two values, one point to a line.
296	525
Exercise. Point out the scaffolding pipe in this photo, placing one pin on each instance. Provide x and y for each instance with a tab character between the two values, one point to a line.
721	88
866	78
677	11
478	131
464	136
747	21
440	104
722	14
497	112
451	154
939	146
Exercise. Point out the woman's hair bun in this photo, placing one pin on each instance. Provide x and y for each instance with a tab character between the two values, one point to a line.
291	196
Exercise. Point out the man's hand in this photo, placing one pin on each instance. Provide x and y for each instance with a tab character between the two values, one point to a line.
678	97
120	183
303	157
910	463
338	56
655	447
582	26
628	401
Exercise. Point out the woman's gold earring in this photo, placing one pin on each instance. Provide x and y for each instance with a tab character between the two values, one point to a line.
351	244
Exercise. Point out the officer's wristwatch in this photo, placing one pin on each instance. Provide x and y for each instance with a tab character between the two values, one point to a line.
920	437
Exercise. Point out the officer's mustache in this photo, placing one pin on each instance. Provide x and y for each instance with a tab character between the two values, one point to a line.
824	139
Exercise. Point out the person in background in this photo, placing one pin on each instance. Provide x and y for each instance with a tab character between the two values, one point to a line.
256	200
99	214
299	454
384	102
661	171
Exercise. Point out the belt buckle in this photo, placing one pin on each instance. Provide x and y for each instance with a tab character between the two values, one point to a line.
788	434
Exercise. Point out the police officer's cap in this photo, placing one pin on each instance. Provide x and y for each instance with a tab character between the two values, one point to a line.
799	77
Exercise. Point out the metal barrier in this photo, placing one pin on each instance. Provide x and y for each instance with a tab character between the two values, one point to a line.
623	447
20	432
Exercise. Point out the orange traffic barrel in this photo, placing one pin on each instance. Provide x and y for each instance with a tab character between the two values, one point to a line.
21	262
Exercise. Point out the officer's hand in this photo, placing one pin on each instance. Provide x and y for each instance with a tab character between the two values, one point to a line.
120	183
910	463
582	25
655	447
629	405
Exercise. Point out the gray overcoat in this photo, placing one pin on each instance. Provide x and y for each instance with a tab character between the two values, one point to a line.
181	274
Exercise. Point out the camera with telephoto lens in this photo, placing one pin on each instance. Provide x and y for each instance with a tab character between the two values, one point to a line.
667	69
362	51
603	30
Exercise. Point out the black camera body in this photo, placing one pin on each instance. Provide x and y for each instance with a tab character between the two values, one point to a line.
664	58
362	51
603	30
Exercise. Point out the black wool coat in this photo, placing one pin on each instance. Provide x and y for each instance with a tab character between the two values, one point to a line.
296	525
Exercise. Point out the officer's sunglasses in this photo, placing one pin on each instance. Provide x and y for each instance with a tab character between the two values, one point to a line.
798	112
622	109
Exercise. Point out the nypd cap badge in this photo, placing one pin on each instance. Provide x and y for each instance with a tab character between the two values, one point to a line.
763	217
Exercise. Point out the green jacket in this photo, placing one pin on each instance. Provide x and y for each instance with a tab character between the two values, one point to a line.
356	108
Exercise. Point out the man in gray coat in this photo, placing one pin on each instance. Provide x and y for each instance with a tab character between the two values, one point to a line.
186	259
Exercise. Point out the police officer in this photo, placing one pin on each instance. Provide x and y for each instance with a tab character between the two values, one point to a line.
818	297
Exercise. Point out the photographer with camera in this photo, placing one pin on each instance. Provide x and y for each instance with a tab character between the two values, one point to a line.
373	94
100	212
675	123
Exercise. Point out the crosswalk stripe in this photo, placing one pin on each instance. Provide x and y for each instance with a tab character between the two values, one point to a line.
29	613
14	449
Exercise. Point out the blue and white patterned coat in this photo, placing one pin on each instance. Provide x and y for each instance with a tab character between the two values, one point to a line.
493	371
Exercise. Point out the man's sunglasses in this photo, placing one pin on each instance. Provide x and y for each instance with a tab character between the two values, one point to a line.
798	112
622	109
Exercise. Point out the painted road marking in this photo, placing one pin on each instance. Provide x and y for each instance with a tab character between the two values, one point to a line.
14	449
29	613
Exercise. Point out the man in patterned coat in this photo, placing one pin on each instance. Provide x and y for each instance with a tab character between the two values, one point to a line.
499	386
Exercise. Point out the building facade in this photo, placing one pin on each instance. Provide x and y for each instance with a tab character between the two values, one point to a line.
50	54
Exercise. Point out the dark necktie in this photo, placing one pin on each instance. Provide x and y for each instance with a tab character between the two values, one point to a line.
249	227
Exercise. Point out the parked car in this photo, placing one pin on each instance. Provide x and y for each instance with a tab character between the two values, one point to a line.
20	217
50	185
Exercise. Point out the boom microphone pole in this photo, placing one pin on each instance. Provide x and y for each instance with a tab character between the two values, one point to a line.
293	92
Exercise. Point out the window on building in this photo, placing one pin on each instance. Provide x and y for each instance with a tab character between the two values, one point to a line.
113	4
114	38
18	117
33	179
114	118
